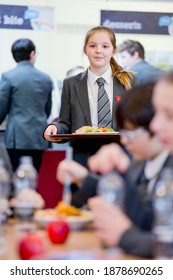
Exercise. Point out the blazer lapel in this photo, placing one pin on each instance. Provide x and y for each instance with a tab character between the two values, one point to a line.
136	170
168	163
82	93
118	90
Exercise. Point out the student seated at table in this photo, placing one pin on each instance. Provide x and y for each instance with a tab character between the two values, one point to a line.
134	114
124	233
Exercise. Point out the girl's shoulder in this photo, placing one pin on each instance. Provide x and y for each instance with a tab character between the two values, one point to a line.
127	78
76	78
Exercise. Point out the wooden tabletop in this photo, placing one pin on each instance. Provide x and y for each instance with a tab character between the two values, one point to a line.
80	241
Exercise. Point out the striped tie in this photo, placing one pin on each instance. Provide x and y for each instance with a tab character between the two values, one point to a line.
104	112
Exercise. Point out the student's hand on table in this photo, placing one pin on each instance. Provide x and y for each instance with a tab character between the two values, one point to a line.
77	171
50	130
109	220
109	157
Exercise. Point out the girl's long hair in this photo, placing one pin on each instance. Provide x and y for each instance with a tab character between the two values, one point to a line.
124	77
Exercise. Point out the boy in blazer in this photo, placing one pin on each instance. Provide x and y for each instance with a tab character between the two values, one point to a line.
26	98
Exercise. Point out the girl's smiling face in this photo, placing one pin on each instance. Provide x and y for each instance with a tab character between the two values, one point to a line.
99	51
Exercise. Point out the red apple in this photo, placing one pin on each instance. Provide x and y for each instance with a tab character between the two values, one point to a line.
58	231
30	245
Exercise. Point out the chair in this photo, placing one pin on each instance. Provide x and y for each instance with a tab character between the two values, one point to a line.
48	186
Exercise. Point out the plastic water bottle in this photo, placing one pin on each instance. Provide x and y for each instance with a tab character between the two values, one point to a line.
25	176
163	210
111	187
4	190
4	195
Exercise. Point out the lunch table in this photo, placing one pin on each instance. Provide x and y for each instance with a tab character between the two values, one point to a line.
82	241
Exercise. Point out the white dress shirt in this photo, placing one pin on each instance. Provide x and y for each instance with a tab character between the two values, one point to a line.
152	169
93	92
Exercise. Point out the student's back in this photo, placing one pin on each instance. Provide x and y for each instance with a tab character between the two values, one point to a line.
25	96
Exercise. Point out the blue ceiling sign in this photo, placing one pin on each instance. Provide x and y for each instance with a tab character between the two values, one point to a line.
138	22
24	17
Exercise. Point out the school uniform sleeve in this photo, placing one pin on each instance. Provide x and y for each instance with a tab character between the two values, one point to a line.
88	190
137	242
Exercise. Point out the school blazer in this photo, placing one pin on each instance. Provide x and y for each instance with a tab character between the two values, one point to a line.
137	168
75	113
26	97
75	109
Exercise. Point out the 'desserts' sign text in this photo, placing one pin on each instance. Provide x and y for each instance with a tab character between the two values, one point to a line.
138	22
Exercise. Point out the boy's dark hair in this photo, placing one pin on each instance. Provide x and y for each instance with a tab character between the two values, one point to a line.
131	47
22	48
136	107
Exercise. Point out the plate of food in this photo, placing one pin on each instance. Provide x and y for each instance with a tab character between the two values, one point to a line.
90	129
77	218
79	222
